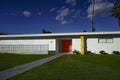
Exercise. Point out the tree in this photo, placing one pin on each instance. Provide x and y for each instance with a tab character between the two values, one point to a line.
3	33
45	31
116	10
93	29
84	30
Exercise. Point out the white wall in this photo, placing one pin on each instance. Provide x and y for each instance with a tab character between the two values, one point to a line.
92	44
50	42
95	47
76	44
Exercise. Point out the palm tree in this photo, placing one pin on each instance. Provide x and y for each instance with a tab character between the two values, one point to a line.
116	10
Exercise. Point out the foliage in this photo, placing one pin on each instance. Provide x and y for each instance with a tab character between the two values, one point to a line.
45	31
76	52
3	33
93	29
116	10
116	52
102	52
84	31
89	52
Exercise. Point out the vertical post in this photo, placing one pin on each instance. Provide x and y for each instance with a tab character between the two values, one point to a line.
82	38
57	46
93	4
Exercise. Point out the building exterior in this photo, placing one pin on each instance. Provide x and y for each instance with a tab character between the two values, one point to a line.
60	43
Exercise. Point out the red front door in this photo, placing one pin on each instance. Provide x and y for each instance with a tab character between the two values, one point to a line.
66	45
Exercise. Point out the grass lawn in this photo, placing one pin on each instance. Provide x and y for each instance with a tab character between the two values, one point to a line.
12	60
76	67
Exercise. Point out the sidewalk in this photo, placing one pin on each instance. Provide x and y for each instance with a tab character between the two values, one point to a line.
6	74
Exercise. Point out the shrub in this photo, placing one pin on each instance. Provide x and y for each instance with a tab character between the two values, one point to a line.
89	52
76	52
102	52
116	52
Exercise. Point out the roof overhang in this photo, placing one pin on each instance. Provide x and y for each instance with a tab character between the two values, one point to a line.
62	35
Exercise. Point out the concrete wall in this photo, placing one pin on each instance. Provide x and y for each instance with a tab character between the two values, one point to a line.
94	46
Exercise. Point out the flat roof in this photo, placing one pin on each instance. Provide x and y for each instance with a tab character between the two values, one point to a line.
54	35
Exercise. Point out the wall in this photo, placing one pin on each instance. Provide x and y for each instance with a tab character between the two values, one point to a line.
76	44
94	46
31	43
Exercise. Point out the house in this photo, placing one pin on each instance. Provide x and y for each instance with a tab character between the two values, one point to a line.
60	42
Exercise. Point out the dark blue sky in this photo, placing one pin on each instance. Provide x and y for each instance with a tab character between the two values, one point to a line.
31	16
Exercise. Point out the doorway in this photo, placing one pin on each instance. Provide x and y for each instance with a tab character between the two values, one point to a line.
66	45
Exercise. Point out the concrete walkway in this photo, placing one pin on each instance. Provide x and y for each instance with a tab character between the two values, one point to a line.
6	74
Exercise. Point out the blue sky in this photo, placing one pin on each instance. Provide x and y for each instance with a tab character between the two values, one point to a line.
57	16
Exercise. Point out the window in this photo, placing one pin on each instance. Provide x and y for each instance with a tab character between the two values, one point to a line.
102	40
110	40
105	40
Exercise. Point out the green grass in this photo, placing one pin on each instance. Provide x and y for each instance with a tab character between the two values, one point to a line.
76	67
11	60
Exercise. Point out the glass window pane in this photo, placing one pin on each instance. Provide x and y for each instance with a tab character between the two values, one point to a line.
102	40
110	40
